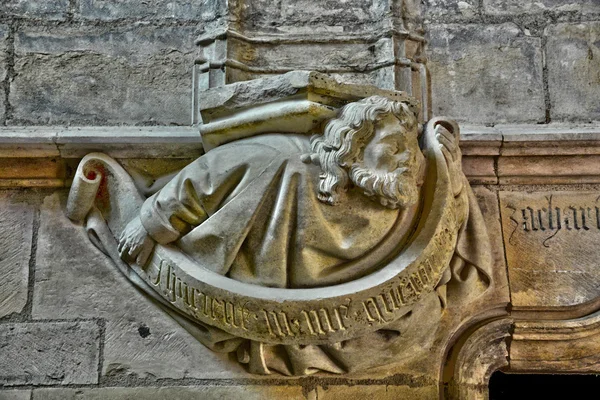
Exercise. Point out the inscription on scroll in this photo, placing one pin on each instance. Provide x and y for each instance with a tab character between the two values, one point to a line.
283	321
551	241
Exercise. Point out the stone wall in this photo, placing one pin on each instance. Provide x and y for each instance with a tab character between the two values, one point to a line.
88	62
72	327
509	61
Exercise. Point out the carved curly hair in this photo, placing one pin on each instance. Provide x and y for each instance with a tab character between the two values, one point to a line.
342	143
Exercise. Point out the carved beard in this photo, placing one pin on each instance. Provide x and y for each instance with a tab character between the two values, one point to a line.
392	189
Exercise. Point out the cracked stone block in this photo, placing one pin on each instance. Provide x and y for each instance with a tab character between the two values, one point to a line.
505	7
49	353
486	74
75	280
103	76
448	10
251	392
16	231
573	59
108	10
47	9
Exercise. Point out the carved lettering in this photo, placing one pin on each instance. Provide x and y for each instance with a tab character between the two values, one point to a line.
553	219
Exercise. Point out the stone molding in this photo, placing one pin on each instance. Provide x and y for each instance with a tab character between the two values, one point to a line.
567	346
506	154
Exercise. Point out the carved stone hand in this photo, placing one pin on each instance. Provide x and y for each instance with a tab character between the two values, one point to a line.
447	134
135	243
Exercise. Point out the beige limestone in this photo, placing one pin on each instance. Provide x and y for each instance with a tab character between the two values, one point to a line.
379	392
564	346
551	241
293	268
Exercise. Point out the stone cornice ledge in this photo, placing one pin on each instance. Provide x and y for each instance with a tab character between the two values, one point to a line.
117	141
503	154
532	154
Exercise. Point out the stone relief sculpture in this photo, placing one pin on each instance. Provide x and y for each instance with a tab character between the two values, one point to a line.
331	252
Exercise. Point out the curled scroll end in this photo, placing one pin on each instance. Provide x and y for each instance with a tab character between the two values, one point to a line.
83	191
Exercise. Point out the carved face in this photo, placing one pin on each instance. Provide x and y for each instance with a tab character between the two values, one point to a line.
391	162
389	149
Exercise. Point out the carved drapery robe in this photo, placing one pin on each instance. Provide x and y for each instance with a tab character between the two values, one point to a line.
249	210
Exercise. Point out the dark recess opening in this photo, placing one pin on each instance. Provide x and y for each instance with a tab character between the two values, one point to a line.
544	386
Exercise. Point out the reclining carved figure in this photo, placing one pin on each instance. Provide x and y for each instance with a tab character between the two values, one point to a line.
295	215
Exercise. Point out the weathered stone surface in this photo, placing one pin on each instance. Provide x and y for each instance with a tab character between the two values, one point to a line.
16	230
444	10
379	392
551	247
304	56
133	75
4	30
49	353
486	74
47	9
15	394
503	7
482	353
479	169
181	393
75	280
306	16
573	59
555	169
155	9
566	346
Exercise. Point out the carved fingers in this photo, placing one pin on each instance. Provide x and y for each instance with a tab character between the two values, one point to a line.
448	143
135	245
447	134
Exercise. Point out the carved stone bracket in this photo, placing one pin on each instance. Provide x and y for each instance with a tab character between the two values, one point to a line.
322	218
557	346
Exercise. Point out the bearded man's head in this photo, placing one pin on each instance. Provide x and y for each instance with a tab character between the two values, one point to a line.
374	145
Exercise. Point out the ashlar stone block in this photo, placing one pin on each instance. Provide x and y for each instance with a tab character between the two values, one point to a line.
15	394
550	240
134	75
16	230
507	7
306	16
573	59
448	10
47	9
49	353
486	73
108	10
